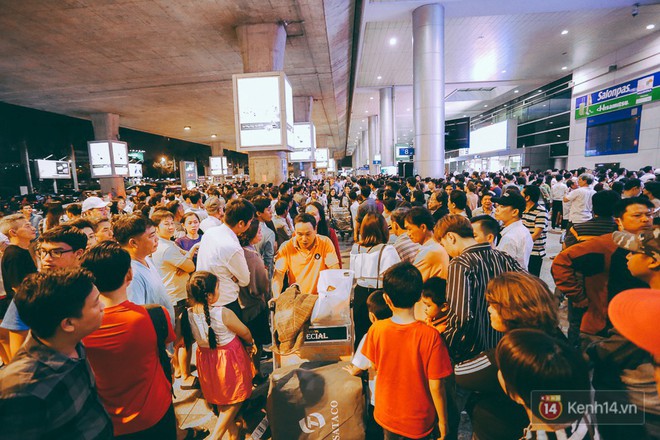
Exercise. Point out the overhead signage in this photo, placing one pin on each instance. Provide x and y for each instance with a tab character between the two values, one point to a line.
404	151
53	169
218	165
332	165
304	142
263	108
108	158
321	157
188	174
493	137
134	170
629	94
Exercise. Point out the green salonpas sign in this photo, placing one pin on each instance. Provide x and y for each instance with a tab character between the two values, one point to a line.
629	94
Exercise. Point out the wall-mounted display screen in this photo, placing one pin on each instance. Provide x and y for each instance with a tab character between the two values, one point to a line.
613	133
100	160
263	108
120	158
53	169
491	138
188	174
305	140
457	134
218	165
321	157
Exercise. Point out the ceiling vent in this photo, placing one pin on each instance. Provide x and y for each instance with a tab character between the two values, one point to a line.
472	94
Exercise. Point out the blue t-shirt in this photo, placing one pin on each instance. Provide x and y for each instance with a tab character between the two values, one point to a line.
147	287
12	321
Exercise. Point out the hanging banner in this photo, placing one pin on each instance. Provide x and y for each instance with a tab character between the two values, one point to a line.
629	94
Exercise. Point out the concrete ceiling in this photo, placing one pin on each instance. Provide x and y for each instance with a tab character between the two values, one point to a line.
506	47
165	64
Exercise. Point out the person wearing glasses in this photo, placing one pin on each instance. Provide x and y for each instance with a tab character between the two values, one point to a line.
59	247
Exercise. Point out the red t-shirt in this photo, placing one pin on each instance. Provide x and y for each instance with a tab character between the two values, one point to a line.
130	380
406	357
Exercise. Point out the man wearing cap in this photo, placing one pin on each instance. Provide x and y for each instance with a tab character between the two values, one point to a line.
516	240
95	207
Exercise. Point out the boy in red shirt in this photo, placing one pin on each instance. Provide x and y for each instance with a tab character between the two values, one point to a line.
410	359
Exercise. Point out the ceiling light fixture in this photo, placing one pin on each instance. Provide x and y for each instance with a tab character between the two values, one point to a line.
392	41
371	97
187	128
213	136
564	32
407	109
564	68
366	111
515	91
651	26
485	105
504	71
379	77
465	116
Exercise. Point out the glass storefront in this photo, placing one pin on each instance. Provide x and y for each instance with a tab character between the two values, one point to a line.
508	163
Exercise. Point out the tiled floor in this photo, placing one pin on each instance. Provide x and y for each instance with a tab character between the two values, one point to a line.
193	412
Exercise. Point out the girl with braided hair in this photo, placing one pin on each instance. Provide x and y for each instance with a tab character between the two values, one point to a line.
223	359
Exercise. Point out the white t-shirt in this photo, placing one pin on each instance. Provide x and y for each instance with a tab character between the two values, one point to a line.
580	204
364	262
517	242
208	223
361	361
167	258
200	328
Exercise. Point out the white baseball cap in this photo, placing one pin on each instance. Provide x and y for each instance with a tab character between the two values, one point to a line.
93	203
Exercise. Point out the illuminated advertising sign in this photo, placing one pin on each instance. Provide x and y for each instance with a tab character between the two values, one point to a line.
134	170
218	165
493	137
321	157
263	108
305	140
120	158
108	158
188	174
53	169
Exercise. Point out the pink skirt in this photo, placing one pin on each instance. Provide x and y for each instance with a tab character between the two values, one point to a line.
225	373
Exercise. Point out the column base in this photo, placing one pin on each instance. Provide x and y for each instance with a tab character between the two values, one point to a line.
268	167
113	186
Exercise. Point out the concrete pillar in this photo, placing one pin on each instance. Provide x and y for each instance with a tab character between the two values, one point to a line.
374	144
262	46
308	168
262	49
364	152
387	126
106	128
429	89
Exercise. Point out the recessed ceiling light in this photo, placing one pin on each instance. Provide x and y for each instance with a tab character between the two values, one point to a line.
371	97
485	105
407	109
379	77
651	26
564	32
392	41
213	136
564	68
187	127
465	116
366	111
504	71
360	128
540	91
515	91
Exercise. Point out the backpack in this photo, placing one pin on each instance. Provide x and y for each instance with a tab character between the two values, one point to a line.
159	321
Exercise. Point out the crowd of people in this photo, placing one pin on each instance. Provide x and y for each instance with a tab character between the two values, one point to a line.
104	303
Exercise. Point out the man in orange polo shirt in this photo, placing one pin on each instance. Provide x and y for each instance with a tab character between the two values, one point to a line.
304	257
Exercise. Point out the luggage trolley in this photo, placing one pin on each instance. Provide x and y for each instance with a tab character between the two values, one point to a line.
330	335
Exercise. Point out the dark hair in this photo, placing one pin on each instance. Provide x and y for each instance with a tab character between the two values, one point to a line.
173	207
458	198
109	263
390	204
419	216
365	191
238	210
80	223
199	286
603	203
44	299
622	205
403	284
533	192
246	237
74	209
352	195
53	213
373	230
159	215
487	223
653	188
376	304
261	203
322	228
435	288
68	234
418	198
281	207
632	183
305	218
130	226
398	216
453	223
194	196
531	360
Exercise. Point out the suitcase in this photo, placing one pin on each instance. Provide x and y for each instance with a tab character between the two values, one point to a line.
316	400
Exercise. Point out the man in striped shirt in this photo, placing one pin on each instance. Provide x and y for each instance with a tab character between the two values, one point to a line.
535	219
474	264
406	248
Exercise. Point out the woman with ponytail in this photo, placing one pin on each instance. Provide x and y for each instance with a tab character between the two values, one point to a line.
223	364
